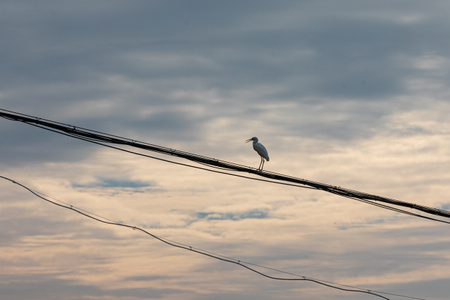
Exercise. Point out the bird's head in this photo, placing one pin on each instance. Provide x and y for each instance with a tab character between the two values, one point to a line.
252	139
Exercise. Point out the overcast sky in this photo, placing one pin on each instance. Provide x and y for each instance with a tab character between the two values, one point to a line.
350	93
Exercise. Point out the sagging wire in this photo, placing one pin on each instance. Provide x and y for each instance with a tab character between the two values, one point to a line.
246	265
395	209
221	171
93	141
96	137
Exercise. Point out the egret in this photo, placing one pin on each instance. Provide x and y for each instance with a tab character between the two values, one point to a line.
262	151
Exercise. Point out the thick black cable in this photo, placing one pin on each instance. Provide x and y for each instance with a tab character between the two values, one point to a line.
377	204
173	162
243	264
91	135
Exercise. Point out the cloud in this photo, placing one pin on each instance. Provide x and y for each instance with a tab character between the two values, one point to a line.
38	284
212	216
347	93
114	183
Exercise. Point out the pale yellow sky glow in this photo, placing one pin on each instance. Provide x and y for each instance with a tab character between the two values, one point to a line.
353	95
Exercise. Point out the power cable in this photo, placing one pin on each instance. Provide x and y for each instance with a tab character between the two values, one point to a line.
246	265
380	205
100	138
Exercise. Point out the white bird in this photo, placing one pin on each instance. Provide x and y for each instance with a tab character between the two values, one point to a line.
262	151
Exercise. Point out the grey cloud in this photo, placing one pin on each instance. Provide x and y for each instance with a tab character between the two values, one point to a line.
219	216
433	289
329	58
27	144
168	71
38	285
19	224
124	183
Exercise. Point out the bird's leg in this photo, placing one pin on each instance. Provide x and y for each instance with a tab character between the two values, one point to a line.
262	161
261	164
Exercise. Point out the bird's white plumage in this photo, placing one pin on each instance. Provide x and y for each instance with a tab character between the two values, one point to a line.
260	149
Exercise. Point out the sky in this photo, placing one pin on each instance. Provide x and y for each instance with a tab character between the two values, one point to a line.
349	93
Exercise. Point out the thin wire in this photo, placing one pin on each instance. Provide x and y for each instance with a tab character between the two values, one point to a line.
174	162
244	264
395	209
96	136
370	202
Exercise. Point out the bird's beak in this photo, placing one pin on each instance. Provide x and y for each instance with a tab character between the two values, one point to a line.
248	140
